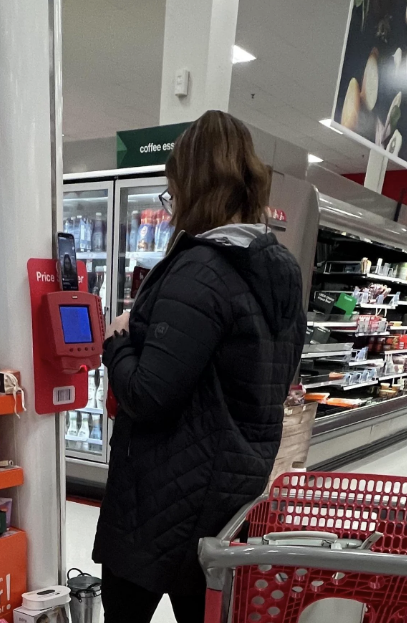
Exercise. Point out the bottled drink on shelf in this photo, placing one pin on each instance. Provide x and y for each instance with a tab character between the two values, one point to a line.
163	230
100	395
89	233
83	234
127	286
96	433
68	226
102	291
91	392
134	226
77	231
73	429
145	237
98	236
83	434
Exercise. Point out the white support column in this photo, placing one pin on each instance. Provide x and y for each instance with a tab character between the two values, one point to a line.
199	36
26	172
376	171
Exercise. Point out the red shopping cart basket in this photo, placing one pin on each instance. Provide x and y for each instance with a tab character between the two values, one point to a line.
266	583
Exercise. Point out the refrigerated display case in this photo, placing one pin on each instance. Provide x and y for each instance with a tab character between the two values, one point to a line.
355	362
88	215
141	235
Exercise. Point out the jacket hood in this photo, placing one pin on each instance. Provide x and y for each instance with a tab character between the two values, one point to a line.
269	269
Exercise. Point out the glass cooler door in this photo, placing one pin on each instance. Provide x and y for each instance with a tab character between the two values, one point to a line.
142	233
88	215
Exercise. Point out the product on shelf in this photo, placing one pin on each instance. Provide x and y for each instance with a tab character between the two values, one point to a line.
145	236
100	395
6	505
98	235
91	392
89	234
69	226
134	227
163	230
96	434
139	274
77	231
72	431
83	434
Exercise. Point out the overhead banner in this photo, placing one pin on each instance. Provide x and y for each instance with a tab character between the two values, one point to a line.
371	99
148	146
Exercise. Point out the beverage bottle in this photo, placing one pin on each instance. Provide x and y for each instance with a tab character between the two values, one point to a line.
96	433
91	392
102	293
72	429
68	226
100	395
82	235
127	287
163	232
97	237
145	236
77	231
83	434
89	232
133	232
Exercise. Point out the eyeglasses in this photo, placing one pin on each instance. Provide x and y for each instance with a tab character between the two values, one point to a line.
166	201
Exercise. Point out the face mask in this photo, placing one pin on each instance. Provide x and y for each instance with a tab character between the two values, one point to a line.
11	386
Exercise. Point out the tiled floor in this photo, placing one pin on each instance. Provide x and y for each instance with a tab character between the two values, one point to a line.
80	530
81	519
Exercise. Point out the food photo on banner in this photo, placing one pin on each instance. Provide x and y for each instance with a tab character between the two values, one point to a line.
371	102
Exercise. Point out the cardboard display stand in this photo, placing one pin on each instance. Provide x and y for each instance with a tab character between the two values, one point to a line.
54	390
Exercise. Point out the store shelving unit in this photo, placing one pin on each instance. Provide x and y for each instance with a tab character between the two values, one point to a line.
340	255
9	404
11	477
88	200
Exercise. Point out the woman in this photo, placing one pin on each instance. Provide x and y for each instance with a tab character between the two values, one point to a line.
201	373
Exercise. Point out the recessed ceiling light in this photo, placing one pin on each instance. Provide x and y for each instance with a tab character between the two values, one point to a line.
241	56
314	159
327	123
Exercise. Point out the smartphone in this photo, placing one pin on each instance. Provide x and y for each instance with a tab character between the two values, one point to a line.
67	268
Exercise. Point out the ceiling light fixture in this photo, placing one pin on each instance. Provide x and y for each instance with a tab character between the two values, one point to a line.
241	56
314	159
327	123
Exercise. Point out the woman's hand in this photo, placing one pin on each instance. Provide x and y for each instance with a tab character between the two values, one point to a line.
119	324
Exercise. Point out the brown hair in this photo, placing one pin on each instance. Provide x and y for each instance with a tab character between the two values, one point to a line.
216	176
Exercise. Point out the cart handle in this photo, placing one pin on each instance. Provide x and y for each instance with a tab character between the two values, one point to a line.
215	557
237	521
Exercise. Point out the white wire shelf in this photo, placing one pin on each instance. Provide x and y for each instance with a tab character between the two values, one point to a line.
324	355
337	383
91	255
347	388
393	376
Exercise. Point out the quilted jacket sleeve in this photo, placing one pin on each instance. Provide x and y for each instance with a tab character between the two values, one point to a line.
189	318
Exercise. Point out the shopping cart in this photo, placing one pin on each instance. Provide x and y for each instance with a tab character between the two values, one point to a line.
354	549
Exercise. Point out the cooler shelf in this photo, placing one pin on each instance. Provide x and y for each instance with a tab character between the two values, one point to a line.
11	477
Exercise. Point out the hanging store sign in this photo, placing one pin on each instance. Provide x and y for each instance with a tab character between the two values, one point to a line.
148	146
371	100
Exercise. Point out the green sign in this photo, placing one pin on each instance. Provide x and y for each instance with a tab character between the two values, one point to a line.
148	146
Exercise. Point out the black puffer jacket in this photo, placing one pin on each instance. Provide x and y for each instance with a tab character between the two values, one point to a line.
215	338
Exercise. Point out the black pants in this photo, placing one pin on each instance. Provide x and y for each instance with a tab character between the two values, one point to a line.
125	602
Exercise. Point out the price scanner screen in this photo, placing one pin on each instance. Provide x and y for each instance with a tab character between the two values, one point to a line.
76	324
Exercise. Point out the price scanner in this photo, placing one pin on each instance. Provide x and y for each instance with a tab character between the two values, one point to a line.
73	331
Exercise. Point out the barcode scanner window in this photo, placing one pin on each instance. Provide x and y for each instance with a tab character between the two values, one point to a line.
76	324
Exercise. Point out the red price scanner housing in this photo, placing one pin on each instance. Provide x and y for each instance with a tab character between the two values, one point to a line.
73	331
